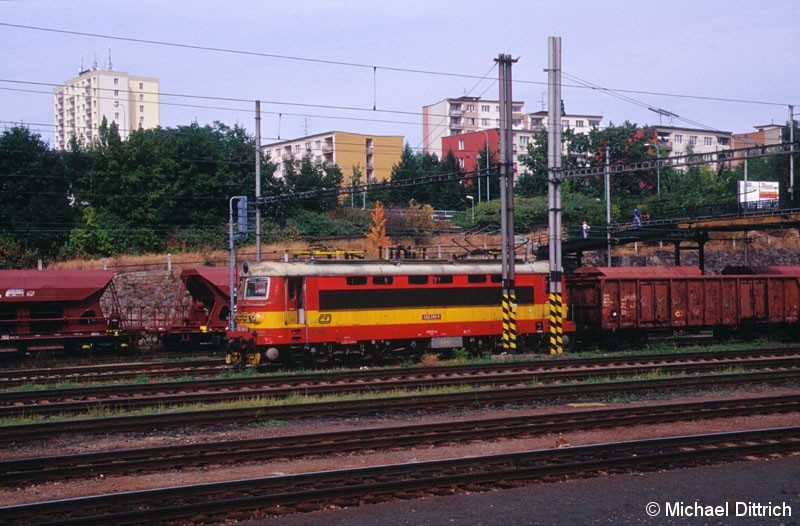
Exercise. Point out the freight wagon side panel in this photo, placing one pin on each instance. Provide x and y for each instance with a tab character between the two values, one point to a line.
729	303
784	298
711	308
679	302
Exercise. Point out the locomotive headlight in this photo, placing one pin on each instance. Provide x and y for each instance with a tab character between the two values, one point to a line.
614	314
259	317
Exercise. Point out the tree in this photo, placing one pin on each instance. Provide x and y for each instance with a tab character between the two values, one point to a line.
376	237
307	176
35	216
419	220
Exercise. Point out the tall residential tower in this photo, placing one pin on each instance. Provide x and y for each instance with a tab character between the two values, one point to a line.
80	104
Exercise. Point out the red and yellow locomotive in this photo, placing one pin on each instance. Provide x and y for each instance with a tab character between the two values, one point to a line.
338	311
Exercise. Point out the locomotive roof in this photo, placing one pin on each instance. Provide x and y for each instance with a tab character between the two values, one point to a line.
52	285
384	267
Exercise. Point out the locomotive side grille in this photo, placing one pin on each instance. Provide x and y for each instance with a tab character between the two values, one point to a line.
333	300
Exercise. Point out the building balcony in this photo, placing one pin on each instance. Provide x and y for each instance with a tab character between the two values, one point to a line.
665	145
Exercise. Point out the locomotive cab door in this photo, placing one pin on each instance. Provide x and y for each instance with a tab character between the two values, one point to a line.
295	301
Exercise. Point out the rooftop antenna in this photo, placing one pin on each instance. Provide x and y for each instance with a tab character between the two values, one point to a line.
81	70
94	64
110	67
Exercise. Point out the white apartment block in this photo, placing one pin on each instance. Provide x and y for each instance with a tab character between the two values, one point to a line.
680	142
80	104
578	123
463	115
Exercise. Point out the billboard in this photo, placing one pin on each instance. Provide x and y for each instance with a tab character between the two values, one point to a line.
758	194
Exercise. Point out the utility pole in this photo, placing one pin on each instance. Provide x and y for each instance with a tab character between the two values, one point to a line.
509	300
608	204
258	180
791	156
554	180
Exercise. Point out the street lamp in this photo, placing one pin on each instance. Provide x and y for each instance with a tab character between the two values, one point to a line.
658	170
472	201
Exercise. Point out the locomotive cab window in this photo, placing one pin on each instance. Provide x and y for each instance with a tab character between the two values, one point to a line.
476	278
418	280
356	280
257	288
497	278
443	279
382	280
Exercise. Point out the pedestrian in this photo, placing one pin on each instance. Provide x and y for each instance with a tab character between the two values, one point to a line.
585	229
637	218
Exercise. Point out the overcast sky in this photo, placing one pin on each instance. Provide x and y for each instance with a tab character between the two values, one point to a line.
322	65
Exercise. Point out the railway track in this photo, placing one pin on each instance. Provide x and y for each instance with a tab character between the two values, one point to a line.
116	372
266	412
82	400
41	469
309	491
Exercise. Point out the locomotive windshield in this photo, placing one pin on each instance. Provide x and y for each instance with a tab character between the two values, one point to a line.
256	288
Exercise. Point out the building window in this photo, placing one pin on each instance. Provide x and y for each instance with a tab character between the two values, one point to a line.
470	121
116	81
296	148
461	163
485	122
485	108
565	123
678	139
707	141
516	109
579	124
141	108
141	85
693	140
141	120
470	107
524	140
116	104
536	122
308	146
318	145
461	144
141	97
116	93
594	124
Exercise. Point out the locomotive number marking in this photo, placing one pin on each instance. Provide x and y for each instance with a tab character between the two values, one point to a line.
325	319
431	316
